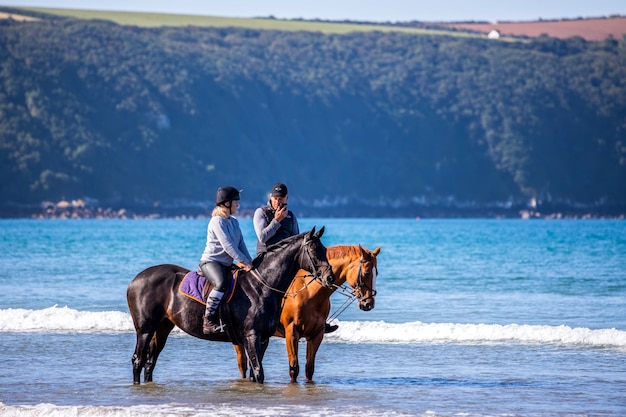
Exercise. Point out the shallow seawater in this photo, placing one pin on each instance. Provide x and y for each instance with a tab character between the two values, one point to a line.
472	318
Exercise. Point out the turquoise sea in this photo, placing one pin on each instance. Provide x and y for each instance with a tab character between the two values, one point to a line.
473	317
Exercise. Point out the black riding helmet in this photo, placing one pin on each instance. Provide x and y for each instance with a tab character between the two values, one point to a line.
226	193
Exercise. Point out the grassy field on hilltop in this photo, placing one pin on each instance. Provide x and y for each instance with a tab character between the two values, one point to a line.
160	19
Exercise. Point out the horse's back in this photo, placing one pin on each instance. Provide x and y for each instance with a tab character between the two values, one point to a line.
157	275
152	288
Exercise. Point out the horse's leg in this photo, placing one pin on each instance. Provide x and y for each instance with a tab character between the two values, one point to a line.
242	360
156	346
312	346
292	336
141	353
264	346
253	348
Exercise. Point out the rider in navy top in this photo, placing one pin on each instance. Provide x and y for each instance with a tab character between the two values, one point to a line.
274	221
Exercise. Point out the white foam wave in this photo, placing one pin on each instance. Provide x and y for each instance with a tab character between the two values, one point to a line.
381	332
65	319
167	410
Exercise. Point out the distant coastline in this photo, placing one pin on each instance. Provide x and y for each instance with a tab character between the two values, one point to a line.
77	209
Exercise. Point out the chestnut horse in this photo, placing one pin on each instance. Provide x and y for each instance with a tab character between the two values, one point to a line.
307	304
251	316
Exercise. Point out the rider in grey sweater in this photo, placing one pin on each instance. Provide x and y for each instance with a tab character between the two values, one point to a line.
224	245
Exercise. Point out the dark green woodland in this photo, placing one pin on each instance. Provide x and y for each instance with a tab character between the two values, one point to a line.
368	123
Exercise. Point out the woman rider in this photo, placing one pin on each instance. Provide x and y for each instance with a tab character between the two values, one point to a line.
224	245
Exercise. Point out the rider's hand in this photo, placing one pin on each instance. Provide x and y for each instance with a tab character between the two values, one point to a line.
247	267
281	213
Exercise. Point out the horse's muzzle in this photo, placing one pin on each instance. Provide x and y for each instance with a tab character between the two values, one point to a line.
327	278
366	304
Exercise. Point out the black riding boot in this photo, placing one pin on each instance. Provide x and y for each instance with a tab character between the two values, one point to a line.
210	322
329	328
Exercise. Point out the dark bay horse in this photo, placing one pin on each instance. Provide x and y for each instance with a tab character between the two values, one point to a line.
307	304
251	316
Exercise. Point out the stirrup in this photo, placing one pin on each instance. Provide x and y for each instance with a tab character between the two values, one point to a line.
209	325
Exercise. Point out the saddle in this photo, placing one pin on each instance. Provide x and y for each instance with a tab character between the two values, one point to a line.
197	287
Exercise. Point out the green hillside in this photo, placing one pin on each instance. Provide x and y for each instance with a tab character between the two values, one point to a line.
361	123
161	19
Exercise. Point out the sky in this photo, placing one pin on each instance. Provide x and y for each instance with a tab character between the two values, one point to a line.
356	10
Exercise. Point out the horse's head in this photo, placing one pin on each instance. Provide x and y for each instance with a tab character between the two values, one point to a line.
313	258
363	279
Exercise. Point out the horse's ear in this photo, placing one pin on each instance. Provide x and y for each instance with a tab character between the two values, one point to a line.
376	251
311	233
320	233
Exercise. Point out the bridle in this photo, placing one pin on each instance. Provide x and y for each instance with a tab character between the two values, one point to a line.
317	271
358	288
316	275
356	292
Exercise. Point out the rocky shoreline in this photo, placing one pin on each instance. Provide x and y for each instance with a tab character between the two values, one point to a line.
77	209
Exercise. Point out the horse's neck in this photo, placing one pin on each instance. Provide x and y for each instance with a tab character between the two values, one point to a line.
340	267
280	269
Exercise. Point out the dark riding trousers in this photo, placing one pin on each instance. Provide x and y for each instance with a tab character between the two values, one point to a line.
216	273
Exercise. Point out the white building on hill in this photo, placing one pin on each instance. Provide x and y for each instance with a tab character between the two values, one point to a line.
494	34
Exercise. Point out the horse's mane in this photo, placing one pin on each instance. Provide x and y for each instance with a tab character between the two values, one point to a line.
285	242
342	251
277	247
347	251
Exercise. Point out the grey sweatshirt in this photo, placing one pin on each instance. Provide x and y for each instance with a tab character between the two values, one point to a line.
224	242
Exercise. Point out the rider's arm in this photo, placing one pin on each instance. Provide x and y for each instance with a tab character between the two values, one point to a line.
229	243
264	231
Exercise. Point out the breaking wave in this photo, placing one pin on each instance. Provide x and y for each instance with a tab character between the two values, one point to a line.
65	319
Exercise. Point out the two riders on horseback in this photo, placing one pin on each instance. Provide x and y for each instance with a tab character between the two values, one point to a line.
225	244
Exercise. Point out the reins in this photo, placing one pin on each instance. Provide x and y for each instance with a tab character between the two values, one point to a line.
304	287
314	276
259	278
350	297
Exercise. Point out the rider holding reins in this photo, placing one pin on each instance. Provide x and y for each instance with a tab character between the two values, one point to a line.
224	245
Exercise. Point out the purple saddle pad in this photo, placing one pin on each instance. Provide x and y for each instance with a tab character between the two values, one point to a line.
192	286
